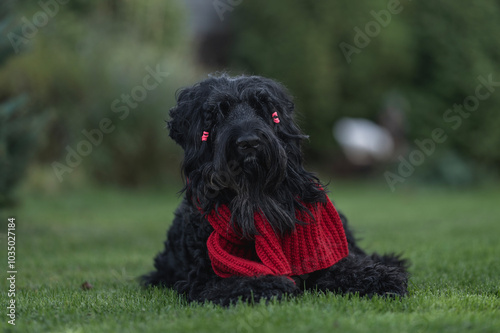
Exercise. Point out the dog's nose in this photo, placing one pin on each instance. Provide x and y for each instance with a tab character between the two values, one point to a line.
246	142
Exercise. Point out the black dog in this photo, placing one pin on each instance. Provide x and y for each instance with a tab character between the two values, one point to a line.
248	197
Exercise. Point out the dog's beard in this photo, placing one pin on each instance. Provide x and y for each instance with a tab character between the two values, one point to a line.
264	167
255	183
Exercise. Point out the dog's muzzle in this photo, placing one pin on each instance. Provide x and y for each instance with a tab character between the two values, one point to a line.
248	144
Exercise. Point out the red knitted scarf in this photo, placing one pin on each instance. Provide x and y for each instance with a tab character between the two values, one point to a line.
318	244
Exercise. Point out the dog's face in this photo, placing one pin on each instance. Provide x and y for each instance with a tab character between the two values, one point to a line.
247	135
241	146
245	123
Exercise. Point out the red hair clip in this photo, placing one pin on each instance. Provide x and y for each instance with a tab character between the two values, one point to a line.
204	137
275	118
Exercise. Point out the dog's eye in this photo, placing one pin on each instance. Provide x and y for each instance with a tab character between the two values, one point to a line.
224	107
254	103
259	107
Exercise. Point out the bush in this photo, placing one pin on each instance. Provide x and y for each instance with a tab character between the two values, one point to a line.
19	127
430	53
80	65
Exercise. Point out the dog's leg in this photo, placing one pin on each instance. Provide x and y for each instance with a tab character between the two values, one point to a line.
362	275
184	251
228	291
185	266
390	259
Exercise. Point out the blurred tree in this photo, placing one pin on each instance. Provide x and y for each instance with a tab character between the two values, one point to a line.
429	53
19	127
104	63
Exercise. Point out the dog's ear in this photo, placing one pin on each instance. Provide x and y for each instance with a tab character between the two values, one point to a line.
186	118
273	98
279	104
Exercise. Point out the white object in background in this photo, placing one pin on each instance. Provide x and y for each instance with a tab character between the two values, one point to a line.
363	141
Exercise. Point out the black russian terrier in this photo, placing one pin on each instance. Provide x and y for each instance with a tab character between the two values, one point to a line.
254	224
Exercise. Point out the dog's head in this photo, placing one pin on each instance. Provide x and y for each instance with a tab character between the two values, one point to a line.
242	148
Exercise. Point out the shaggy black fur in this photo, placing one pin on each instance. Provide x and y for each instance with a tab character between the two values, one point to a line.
251	163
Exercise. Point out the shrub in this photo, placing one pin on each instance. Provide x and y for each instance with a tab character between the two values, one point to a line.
430	53
85	59
19	126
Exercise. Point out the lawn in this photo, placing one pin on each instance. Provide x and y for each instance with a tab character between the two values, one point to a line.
108	237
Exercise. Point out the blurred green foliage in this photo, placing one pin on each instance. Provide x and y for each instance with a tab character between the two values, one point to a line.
429	53
19	127
85	64
89	55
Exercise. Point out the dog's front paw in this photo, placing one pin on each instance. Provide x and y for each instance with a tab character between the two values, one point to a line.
249	289
364	276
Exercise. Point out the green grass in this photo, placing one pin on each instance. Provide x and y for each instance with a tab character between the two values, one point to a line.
109	237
